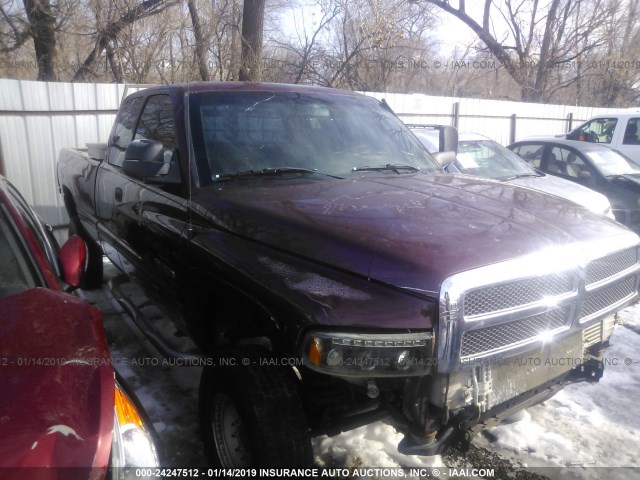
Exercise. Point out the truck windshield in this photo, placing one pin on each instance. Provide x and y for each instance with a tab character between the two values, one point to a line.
336	135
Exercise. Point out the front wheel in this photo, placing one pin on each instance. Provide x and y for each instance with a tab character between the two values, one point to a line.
251	414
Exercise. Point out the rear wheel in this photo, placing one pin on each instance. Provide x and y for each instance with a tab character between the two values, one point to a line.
251	414
93	275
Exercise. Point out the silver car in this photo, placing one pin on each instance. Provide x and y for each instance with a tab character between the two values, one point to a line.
480	156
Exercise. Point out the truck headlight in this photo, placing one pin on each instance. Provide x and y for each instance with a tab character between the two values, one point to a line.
369	355
132	444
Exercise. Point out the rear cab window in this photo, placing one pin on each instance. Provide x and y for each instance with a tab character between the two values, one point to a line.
157	123
123	128
632	132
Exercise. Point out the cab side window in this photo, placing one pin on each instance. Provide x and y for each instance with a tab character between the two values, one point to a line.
532	154
156	123
631	132
565	162
598	130
123	130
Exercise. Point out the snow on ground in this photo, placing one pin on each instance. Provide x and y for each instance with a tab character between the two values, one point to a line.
375	445
585	426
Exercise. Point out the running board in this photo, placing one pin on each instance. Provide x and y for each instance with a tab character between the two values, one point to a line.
188	358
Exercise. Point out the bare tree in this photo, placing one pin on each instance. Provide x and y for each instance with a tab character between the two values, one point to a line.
357	44
113	28
42	20
614	76
14	32
200	47
305	49
252	30
540	39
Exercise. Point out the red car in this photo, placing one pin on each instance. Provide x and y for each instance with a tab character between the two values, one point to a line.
63	413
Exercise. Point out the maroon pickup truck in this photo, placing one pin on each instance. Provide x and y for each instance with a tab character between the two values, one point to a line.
331	275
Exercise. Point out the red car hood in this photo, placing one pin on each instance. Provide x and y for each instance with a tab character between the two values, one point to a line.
57	384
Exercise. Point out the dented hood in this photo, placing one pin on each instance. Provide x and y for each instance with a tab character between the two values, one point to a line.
56	407
407	230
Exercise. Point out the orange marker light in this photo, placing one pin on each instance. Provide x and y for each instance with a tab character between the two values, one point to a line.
125	410
315	351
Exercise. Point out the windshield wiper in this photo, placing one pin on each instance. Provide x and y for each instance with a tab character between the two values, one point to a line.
622	175
271	171
394	167
522	175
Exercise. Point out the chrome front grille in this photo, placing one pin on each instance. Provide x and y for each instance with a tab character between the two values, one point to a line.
611	265
505	296
604	299
490	339
550	294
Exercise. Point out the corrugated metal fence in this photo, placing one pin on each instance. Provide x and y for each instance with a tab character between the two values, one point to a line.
37	119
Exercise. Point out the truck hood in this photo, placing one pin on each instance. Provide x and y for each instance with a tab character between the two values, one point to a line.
594	201
408	230
57	387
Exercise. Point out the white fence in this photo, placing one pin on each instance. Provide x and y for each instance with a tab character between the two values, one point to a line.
503	121
37	119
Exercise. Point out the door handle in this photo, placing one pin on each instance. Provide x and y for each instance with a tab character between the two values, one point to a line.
118	194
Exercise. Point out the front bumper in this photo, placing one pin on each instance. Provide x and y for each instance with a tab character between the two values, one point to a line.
490	390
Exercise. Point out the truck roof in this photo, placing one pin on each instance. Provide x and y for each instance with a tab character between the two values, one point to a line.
579	145
625	114
247	87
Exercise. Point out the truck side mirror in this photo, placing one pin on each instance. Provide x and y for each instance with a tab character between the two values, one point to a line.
444	159
448	140
144	160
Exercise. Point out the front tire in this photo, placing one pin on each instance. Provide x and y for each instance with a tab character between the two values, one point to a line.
251	414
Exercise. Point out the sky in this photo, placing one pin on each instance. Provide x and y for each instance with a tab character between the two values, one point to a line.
451	32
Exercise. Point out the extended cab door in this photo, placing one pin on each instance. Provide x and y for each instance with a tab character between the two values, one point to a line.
141	220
